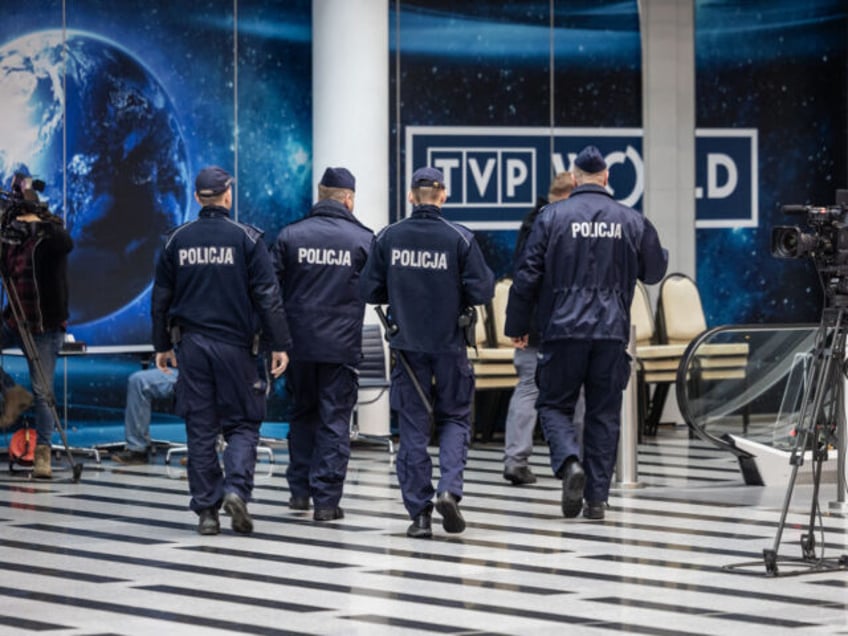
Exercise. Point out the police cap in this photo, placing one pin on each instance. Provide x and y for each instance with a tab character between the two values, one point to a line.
428	178
590	160
212	181
338	178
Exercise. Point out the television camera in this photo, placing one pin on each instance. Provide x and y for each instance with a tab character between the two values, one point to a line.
22	198
821	422
828	242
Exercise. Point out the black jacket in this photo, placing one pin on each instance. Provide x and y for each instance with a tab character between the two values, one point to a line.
318	261
428	269
580	267
215	277
35	262
520	244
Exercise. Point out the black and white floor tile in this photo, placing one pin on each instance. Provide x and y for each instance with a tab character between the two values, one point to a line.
117	553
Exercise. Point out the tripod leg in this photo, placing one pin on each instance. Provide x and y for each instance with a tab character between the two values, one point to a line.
37	370
814	392
76	467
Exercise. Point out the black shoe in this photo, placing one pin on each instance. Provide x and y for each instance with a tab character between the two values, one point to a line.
208	523
237	509
448	507
519	475
299	503
573	481
131	457
594	510
328	514
420	527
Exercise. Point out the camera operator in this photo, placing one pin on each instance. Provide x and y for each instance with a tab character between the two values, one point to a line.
35	247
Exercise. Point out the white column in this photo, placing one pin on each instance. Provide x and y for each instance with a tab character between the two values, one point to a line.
350	120
350	99
668	114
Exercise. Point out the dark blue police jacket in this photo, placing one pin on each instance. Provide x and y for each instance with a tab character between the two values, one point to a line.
428	269
215	277
318	261
581	263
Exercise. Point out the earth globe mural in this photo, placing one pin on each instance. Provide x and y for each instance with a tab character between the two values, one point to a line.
125	179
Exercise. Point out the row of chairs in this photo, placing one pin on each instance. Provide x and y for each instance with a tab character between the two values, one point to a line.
661	339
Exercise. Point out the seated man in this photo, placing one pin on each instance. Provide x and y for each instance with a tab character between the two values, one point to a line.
142	388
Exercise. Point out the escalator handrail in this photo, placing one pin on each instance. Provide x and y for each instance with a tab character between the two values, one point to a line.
725	442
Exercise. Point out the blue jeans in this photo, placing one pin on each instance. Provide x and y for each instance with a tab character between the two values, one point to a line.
521	415
142	388
47	346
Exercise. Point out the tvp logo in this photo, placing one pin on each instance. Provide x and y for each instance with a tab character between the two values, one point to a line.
494	175
726	178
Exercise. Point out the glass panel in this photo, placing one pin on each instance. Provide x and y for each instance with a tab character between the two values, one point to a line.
746	380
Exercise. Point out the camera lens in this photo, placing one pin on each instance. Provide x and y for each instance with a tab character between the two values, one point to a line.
789	243
785	242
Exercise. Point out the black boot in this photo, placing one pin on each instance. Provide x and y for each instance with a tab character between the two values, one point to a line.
448	507
420	528
208	523
573	481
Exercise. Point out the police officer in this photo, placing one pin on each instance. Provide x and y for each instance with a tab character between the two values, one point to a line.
318	261
429	270
214	284
580	268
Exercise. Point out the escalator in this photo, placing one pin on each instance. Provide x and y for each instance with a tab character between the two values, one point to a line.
739	387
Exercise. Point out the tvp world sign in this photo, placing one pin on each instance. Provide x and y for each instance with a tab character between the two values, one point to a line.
494	175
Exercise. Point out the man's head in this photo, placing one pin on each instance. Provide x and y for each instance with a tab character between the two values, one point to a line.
338	184
561	187
427	187
590	167
213	187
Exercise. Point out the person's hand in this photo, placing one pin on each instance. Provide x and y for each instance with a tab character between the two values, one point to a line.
520	342
279	362
166	359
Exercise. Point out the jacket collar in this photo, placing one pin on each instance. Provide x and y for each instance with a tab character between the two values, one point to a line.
333	209
427	210
212	211
590	187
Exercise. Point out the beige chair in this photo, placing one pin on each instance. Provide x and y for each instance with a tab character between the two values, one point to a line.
680	320
680	315
494	372
656	363
492	359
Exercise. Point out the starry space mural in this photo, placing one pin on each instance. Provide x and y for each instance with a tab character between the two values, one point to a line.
153	92
117	105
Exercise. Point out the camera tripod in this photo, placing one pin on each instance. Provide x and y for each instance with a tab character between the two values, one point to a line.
821	420
31	352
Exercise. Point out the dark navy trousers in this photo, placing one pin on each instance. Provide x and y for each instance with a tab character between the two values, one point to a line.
448	382
602	367
324	395
219	391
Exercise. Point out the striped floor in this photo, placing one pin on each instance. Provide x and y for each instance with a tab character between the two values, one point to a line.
117	553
